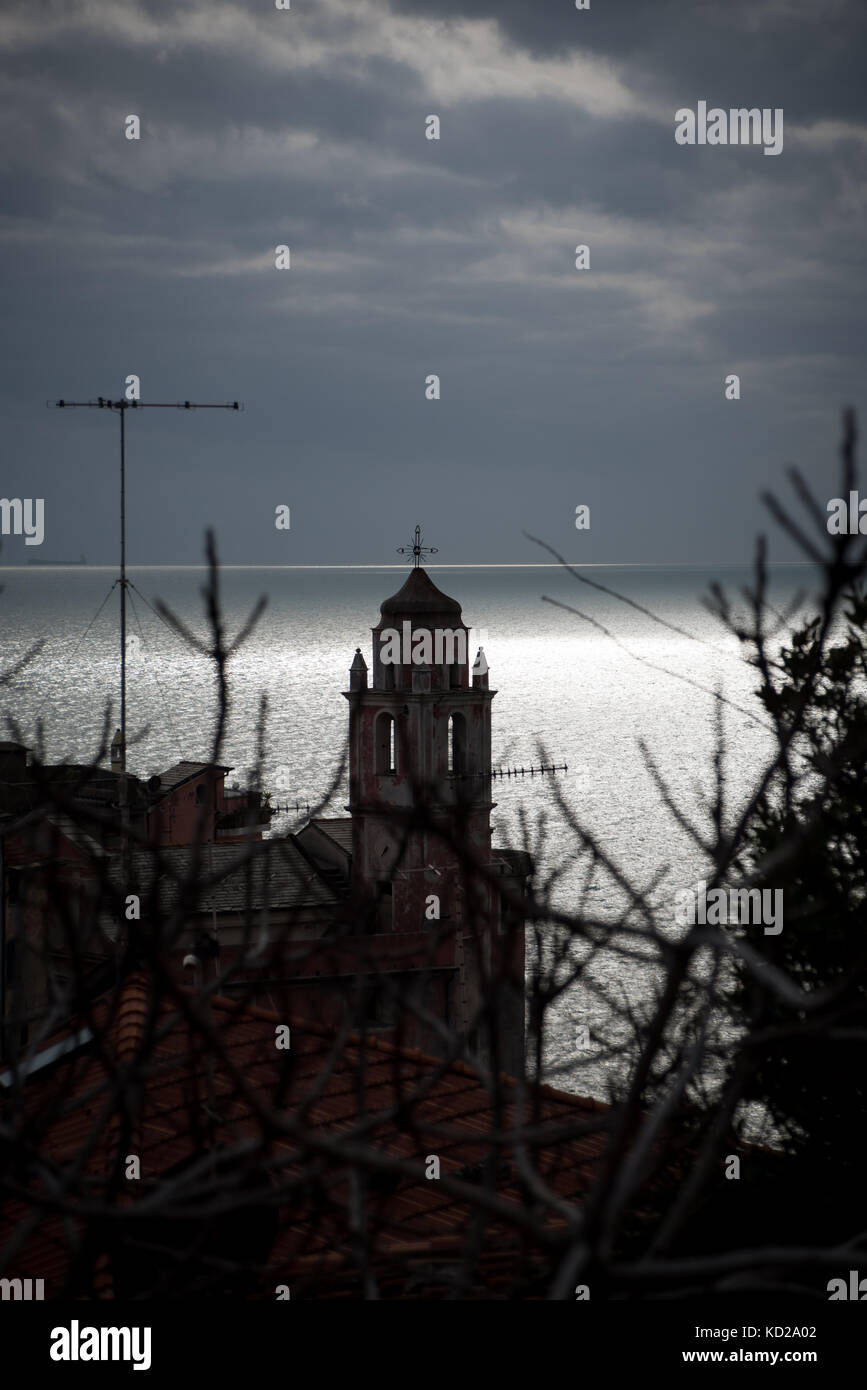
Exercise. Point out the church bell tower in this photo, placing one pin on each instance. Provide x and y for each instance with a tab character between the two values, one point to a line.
420	754
420	804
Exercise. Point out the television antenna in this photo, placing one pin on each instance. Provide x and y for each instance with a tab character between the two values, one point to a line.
121	407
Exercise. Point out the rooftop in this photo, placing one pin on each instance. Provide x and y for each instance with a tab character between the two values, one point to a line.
184	771
267	873
326	1102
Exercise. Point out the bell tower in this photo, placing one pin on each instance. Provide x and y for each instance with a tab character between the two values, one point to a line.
420	802
420	757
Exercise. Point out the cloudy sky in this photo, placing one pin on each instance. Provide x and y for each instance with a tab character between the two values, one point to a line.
409	257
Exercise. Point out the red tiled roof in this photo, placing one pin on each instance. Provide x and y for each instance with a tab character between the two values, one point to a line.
321	1107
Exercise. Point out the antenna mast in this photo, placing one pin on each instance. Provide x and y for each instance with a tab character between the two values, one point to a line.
122	406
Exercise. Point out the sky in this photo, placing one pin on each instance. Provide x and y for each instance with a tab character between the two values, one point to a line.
411	257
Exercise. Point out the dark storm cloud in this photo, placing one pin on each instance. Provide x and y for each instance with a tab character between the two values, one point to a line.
411	257
813	54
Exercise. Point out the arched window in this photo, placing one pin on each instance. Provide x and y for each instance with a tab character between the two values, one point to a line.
386	745
457	743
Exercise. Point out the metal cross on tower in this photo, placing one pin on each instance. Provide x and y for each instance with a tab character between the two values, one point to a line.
416	551
122	406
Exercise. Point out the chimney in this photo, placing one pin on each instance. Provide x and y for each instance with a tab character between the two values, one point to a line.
193	971
201	965
116	752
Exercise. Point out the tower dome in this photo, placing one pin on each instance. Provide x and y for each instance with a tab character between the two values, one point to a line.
420	598
420	640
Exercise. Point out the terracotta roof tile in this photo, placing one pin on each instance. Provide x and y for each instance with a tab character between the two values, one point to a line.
354	1094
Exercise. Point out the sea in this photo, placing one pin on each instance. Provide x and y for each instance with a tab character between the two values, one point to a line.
612	674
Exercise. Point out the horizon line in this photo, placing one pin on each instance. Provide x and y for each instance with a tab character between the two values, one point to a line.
472	565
